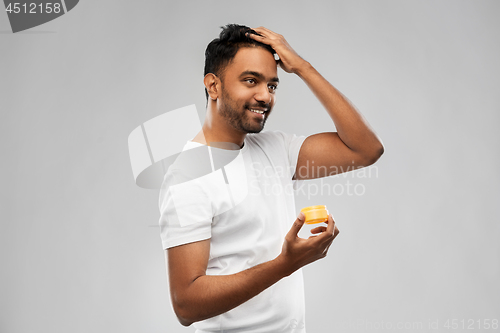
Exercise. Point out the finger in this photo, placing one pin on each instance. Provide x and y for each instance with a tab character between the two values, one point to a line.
327	234
318	230
265	31
327	247
267	34
254	33
336	232
260	30
258	38
331	225
299	222
330	241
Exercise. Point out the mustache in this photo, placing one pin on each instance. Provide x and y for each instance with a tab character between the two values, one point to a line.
266	106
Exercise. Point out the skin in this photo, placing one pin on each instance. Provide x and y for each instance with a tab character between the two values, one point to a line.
249	82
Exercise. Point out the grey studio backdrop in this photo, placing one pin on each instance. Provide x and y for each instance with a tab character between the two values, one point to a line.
79	241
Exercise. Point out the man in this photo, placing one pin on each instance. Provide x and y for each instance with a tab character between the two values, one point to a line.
236	267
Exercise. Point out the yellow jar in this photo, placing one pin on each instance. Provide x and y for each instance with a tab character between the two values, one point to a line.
315	214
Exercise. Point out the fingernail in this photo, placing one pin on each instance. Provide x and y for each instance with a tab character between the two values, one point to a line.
301	216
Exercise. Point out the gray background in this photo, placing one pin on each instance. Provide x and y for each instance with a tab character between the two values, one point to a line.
79	243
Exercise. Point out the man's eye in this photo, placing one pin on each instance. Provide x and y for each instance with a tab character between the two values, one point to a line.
252	81
273	87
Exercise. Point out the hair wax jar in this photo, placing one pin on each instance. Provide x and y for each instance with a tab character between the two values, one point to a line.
315	214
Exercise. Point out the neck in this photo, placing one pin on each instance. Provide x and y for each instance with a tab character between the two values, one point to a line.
216	129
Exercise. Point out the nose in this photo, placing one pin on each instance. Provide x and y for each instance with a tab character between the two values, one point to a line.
263	95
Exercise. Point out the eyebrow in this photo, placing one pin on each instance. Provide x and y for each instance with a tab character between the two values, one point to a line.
259	76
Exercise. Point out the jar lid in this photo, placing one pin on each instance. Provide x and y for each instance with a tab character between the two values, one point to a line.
313	208
315	214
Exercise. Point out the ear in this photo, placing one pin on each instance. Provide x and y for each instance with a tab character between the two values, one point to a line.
212	84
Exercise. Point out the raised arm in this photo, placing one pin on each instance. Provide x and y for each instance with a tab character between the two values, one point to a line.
354	144
197	296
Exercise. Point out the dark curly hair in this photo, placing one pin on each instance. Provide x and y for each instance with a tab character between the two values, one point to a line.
221	51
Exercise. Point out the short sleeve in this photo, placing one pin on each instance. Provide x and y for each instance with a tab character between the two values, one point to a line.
185	211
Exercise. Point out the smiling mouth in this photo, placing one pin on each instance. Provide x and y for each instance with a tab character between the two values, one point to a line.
258	110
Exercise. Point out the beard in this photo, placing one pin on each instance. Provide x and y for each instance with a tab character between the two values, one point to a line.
237	116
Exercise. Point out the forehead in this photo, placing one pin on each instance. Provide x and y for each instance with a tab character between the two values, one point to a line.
253	59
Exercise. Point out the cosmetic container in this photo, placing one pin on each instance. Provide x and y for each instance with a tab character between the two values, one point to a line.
315	214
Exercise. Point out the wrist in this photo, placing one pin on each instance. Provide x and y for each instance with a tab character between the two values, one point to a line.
282	265
303	68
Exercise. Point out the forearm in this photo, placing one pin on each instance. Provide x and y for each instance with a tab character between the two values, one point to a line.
351	127
211	295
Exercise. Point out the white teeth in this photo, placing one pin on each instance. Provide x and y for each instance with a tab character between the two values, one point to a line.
257	111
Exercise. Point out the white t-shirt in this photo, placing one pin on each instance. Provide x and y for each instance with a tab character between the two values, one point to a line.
245	207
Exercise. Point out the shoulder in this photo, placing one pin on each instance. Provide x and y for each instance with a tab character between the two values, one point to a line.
268	138
192	163
275	140
266	135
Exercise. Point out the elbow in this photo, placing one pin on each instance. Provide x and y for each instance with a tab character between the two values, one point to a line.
184	322
186	306
373	156
378	152
183	315
186	311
